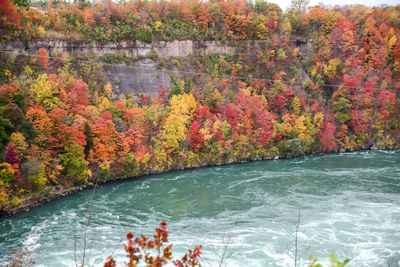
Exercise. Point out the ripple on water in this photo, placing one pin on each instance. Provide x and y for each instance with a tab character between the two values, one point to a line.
349	202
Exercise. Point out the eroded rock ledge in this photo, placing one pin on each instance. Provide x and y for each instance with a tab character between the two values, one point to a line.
132	49
145	76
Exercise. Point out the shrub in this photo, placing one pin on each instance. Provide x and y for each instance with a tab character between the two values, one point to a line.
138	249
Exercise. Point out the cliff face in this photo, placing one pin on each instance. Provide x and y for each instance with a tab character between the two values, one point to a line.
145	76
130	49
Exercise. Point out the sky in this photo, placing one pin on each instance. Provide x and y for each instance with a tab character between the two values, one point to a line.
284	4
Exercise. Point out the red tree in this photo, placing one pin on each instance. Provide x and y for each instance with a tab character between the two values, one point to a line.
43	59
328	141
386	101
14	160
78	98
12	157
196	138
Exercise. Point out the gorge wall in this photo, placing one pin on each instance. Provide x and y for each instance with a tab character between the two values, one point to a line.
145	76
132	49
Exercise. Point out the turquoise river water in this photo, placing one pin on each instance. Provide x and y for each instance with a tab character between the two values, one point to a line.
349	203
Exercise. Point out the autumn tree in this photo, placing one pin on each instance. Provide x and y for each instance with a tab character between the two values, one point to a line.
43	59
74	163
18	141
10	19
328	141
77	97
48	91
13	159
104	135
181	110
6	177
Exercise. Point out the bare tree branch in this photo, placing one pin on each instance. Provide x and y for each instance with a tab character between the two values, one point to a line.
296	240
88	221
76	262
225	248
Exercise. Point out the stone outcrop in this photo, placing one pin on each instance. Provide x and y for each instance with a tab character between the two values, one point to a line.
134	49
145	76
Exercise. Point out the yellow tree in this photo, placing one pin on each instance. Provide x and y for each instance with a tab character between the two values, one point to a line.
48	91
18	141
175	130
6	176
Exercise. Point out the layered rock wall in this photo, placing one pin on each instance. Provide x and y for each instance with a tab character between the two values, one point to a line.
145	76
134	49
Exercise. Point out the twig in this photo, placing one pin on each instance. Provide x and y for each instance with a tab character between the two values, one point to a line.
76	262
116	246
225	256
88	221
305	251
225	248
295	241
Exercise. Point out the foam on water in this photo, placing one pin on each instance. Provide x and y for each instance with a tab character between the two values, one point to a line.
349	202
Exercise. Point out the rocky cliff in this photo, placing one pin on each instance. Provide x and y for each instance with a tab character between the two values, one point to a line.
145	76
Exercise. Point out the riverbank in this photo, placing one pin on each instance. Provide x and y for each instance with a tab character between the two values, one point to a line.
51	193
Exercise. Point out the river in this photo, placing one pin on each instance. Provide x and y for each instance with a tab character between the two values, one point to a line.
349	203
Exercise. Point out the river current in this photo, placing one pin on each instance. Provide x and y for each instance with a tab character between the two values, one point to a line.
349	203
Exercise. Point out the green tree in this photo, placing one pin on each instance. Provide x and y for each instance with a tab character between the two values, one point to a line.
74	163
24	3
341	104
89	139
5	125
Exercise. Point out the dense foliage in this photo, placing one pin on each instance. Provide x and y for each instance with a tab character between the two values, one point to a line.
142	20
61	125
198	20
